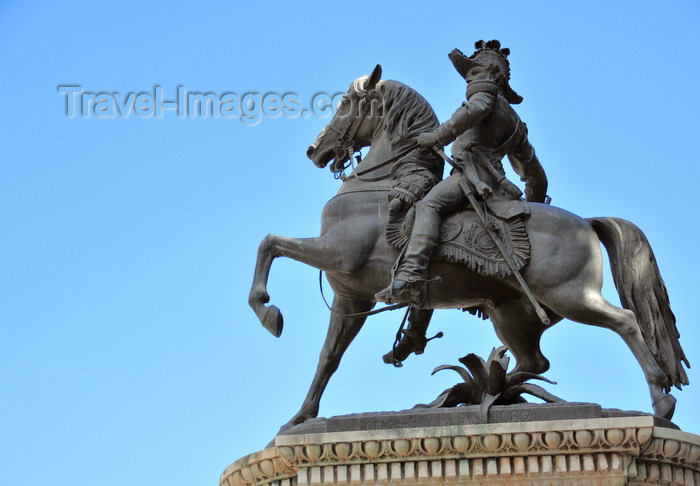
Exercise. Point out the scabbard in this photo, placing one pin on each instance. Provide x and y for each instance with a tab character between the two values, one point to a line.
465	185
487	227
509	188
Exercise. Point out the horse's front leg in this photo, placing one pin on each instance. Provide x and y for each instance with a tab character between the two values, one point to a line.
341	332
323	253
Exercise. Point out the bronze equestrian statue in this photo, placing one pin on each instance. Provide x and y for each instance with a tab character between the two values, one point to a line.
557	253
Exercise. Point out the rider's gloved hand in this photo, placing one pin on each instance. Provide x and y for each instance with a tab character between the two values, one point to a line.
484	190
427	139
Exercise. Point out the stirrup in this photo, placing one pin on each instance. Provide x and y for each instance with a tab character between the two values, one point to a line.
414	280
411	293
414	291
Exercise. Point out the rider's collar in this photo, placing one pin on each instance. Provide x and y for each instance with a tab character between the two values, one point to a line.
483	86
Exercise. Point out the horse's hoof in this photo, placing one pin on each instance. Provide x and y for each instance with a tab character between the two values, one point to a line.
665	406
281	431
272	320
286	427
299	418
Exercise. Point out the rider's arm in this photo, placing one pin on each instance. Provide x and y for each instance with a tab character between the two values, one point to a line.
479	106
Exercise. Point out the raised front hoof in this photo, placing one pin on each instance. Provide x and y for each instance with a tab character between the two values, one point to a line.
272	320
665	406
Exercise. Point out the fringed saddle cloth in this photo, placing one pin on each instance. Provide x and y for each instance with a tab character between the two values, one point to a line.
464	240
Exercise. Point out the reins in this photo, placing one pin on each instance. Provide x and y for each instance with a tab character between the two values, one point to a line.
358	174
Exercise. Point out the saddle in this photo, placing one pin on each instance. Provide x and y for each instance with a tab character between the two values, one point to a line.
464	240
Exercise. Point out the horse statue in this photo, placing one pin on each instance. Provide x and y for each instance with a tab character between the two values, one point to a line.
564	272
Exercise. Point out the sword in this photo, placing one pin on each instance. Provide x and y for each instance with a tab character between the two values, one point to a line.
506	256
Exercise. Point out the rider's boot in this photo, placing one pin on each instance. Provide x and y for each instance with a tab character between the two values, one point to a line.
411	342
412	339
409	280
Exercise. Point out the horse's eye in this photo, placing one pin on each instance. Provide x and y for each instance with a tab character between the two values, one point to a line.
345	106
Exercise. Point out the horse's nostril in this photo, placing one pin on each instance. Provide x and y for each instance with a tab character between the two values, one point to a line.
310	151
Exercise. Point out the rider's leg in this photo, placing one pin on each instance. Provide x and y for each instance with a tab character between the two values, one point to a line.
412	270
413	339
424	238
444	198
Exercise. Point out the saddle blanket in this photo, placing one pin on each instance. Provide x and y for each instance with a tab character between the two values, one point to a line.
463	238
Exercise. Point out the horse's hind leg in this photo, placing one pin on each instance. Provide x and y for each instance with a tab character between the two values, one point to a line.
591	308
519	328
341	332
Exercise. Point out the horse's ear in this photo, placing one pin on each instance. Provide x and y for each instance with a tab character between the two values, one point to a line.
373	78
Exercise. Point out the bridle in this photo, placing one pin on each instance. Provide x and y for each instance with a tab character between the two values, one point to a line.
345	146
345	142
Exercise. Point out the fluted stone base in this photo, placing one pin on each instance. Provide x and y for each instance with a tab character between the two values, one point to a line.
613	450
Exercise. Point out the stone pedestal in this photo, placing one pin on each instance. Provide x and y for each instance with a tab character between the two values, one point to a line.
393	449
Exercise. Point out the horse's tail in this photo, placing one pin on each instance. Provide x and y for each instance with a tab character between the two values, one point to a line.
642	290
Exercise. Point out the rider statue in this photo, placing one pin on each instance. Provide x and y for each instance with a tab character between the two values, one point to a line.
484	130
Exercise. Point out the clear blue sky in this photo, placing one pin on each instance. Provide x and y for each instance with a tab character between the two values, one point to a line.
128	354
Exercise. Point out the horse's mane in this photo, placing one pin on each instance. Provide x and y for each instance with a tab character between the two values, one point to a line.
406	113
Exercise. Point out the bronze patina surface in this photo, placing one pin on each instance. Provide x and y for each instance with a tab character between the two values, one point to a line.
562	276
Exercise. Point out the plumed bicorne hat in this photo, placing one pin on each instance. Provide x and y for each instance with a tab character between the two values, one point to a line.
487	54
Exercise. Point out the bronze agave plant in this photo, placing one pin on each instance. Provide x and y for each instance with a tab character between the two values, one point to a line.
488	383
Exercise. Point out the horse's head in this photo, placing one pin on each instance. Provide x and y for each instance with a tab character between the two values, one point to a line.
351	126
